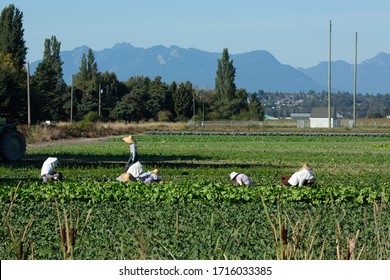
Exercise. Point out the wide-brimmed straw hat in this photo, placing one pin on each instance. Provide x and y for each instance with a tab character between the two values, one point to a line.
125	177
306	166
129	139
233	175
156	172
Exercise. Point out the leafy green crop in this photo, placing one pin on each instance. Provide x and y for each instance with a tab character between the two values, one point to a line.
198	213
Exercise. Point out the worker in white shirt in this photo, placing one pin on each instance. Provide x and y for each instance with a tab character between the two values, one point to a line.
302	177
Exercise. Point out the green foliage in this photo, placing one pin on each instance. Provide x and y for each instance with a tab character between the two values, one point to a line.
198	213
92	117
13	52
164	116
256	108
183	100
48	85
11	36
225	76
159	231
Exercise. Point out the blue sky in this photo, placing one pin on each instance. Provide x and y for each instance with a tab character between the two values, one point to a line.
296	32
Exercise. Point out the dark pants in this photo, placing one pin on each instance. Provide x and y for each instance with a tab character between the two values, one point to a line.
284	180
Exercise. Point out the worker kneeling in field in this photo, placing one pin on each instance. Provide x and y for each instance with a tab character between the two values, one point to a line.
151	176
132	174
303	177
240	179
48	172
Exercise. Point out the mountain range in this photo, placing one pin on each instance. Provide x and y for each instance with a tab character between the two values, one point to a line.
255	70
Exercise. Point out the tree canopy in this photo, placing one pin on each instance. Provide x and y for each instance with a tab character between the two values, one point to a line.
12	65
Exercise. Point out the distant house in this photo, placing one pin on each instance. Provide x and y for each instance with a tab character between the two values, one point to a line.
319	117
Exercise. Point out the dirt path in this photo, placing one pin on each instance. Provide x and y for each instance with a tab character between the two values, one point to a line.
69	141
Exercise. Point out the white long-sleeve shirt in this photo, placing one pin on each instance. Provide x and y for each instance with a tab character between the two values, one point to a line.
299	177
135	169
49	165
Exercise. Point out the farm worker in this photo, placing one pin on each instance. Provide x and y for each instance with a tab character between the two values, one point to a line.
133	151
241	179
151	176
302	177
126	177
48	172
134	171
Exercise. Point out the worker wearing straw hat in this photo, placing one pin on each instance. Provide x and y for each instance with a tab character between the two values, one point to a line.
133	151
240	179
132	174
151	176
302	177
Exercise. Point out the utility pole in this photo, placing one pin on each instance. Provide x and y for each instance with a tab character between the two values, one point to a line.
100	97
193	100
71	102
28	96
329	74
354	83
203	109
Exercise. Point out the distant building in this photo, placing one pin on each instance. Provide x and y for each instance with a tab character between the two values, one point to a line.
319	117
268	117
303	119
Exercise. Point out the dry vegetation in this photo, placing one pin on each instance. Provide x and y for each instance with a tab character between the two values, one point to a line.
63	130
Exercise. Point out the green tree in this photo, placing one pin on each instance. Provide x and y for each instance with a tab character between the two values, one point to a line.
12	60
11	36
86	81
256	109
226	73
8	74
183	100
132	107
48	86
155	98
226	104
111	92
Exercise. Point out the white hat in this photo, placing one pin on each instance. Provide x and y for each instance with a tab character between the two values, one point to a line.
233	175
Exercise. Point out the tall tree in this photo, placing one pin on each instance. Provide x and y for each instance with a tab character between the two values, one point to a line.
224	81
12	60
86	82
157	94
48	86
11	36
224	106
183	100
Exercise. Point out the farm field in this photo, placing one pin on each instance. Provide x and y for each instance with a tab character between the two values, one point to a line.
198	213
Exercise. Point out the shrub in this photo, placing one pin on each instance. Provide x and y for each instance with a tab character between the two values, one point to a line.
164	116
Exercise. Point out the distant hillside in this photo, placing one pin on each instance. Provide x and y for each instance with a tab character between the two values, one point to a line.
373	75
256	70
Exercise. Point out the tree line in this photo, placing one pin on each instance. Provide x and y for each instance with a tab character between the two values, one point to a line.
91	91
139	98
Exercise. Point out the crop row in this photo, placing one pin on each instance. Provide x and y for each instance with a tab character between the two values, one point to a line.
250	231
189	192
294	134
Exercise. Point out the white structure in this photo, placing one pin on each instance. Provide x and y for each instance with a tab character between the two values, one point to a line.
303	119
319	117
